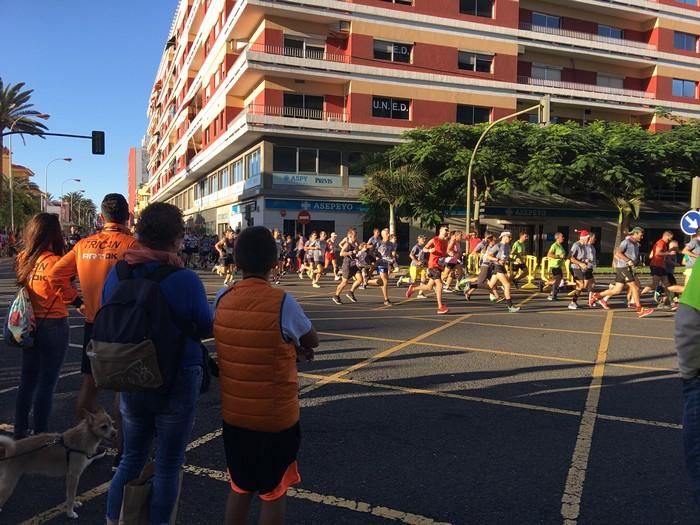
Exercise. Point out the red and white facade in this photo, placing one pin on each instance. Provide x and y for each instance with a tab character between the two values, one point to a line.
260	107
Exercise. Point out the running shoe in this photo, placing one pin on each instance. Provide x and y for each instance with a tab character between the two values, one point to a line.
468	296
657	296
591	300
363	287
644	312
388	303
448	290
337	300
442	310
410	291
420	296
550	298
492	297
351	296
513	309
603	303
277	281
337	278
316	285
573	306
301	275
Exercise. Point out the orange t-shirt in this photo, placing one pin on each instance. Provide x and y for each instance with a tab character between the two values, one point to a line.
48	302
91	260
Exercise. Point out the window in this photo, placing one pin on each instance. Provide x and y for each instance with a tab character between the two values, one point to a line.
610	81
303	106
392	51
548	21
610	32
395	108
284	159
296	47
214	183
225	179
543	72
253	163
307	160
328	162
474	62
356	164
476	8
684	88
238	171
685	41
472	114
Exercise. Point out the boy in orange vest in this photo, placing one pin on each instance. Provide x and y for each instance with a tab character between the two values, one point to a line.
260	332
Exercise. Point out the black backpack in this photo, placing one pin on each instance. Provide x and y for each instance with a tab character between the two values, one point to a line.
136	343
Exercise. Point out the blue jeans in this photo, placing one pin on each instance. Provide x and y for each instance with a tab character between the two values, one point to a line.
691	432
41	366
170	418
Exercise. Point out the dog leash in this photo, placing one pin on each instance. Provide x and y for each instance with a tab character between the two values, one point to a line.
27	452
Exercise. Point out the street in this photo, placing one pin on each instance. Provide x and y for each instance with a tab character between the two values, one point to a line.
477	417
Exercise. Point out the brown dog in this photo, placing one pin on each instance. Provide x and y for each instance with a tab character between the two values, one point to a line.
55	455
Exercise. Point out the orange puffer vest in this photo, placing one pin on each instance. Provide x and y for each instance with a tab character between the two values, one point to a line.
258	371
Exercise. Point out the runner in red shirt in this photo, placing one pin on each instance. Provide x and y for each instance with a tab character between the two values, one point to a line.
657	262
437	248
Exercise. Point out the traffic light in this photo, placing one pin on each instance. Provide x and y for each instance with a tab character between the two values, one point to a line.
98	142
545	115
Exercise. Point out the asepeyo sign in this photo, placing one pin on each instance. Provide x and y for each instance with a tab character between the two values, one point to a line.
309	205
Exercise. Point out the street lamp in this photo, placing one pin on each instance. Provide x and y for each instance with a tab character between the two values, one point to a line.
42	116
67	180
46	179
70	209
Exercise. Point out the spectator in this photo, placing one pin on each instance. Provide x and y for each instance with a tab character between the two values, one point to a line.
259	331
41	363
165	413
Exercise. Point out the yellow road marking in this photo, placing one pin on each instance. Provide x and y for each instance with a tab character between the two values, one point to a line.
332	501
497	402
384	353
530	298
573	490
500	352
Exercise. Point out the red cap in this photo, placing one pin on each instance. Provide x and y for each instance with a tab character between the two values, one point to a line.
583	233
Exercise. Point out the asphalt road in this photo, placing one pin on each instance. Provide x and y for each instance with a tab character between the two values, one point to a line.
478	417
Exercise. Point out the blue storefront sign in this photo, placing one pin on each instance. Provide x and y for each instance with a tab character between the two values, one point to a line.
312	205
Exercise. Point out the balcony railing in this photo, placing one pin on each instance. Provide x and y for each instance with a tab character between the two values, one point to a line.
311	54
300	113
575	86
580	35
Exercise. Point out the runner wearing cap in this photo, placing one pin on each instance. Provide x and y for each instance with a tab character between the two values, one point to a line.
582	261
485	269
437	250
624	260
556	255
498	255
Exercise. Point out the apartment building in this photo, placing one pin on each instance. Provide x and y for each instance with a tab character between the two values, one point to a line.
261	108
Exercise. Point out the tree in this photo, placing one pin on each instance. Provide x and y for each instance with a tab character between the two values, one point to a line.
17	113
393	187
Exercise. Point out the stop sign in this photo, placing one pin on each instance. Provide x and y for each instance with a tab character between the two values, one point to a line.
304	217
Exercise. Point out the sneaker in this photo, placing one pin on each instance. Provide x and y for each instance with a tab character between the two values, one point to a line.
363	287
572	306
277	281
468	296
644	312
388	303
410	291
550	298
336	299
442	310
492	297
351	296
447	290
301	275
603	303
316	285
513	309
337	278
657	296
420	296
591	301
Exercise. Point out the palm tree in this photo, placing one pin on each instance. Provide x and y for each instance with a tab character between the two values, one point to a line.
394	188
17	113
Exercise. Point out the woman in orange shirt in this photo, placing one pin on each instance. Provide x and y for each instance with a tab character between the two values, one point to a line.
43	246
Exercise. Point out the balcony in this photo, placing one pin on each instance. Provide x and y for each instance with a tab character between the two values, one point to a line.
297	113
310	54
592	88
580	35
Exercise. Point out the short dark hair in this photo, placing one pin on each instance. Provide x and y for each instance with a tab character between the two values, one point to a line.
160	226
256	250
115	208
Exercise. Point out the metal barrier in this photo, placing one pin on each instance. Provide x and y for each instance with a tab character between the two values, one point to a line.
546	272
531	263
473	263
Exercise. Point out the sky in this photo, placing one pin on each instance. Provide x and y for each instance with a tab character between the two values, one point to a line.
91	64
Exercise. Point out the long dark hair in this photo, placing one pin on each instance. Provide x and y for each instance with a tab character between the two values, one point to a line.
42	233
